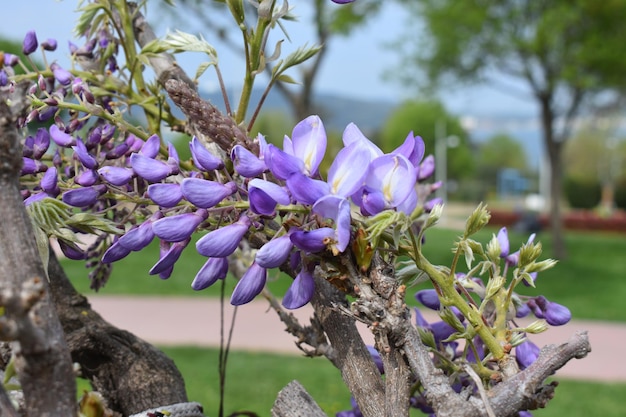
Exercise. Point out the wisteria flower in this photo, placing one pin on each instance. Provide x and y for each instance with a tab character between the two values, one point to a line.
179	227
212	270
301	290
275	252
250	285
223	241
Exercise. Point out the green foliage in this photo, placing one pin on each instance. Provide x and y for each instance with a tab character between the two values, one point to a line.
255	378
422	117
498	152
582	194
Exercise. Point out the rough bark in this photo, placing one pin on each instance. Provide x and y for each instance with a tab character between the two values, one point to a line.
43	363
130	373
294	401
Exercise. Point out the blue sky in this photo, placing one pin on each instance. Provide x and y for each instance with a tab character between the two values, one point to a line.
354	66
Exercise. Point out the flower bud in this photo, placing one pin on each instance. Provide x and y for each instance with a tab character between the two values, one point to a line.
49	182
526	353
165	195
223	241
84	196
179	227
428	298
204	193
275	252
212	270
249	286
49	44
61	138
30	43
115	253
312	241
202	158
301	291
63	76
83	155
86	178
150	147
168	259
116	175
150	169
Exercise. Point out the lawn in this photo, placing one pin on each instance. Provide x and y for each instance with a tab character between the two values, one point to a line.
590	282
254	379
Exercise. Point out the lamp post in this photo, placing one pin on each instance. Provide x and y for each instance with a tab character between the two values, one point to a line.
442	143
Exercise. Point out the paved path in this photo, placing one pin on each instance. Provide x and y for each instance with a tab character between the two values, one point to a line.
195	322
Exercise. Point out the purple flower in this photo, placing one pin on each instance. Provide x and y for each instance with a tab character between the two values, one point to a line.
526	353
83	155
139	237
212	270
165	195
352	135
71	251
63	76
118	151
179	227
301	290
115	253
429	298
31	166
307	143
223	241
392	178
264	195
10	60
413	149
30	43
337	209
173	160
204	193
503	240
430	204
312	240
167	260
513	259
249	286
64	140
376	358
426	168
342	1
150	147
150	169
86	178
282	164
49	44
202	158
275	252
84	196
306	190
41	143
49	182
246	163
554	313
346	173
116	175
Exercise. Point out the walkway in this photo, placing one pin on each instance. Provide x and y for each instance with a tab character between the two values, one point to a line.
195	322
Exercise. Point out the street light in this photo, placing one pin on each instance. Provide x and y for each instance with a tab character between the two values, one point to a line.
442	143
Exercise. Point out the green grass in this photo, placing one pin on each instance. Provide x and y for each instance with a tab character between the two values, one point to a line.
254	379
590	282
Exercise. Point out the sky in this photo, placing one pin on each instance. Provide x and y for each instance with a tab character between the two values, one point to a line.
354	66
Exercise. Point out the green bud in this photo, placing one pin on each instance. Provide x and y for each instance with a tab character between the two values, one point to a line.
477	220
494	285
541	266
427	337
517	338
449	317
528	253
537	326
434	216
493	249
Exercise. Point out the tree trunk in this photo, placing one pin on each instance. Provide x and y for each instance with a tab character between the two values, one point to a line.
554	147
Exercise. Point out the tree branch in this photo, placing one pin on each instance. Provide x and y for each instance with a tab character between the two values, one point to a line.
42	360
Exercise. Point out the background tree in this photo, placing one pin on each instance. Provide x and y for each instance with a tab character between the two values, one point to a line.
498	152
328	21
564	51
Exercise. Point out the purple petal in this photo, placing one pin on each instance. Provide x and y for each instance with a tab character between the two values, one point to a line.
348	170
281	164
60	137
148	168
430	204
264	195
557	314
204	193
312	240
179	227
300	292
167	260
274	253
223	241
429	298
138	238
309	143
306	190
165	195
246	163
71	251
83	197
115	253
249	286
116	175
503	240
522	311
337	209
87	178
420	321
63	76
372	203
427	168
526	353
376	358
49	182
392	175
352	135
41	143
151	146
202	158
413	149
212	270
29	45
173	160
